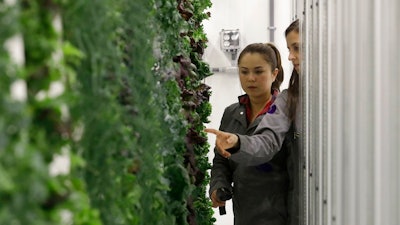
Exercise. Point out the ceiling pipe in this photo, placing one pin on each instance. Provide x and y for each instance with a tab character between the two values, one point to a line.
271	27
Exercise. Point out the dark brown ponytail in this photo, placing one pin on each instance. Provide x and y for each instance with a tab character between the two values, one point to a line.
293	94
279	77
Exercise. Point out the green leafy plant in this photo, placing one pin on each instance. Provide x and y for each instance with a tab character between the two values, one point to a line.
129	118
36	129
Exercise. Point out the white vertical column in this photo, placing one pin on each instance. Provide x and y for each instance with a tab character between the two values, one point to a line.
305	29
387	110
336	74
324	125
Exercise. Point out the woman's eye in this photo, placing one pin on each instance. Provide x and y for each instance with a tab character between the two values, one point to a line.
296	48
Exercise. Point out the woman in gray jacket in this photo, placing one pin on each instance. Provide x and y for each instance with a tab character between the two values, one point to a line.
259	158
259	188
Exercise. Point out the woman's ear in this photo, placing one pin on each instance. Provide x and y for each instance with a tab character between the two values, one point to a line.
275	73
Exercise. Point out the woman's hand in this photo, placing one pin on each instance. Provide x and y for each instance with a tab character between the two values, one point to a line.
215	201
224	141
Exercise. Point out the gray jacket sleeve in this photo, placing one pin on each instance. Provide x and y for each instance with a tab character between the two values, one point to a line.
268	137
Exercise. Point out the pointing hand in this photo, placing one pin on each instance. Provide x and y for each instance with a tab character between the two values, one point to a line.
224	141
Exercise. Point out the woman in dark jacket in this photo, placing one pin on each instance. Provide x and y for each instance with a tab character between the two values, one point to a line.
260	189
270	147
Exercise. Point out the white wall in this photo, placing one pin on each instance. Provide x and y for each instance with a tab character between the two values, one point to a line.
252	19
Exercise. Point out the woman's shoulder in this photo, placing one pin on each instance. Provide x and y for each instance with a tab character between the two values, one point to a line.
233	107
283	94
282	97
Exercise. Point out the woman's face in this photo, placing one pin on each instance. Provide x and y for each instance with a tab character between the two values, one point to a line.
293	44
256	75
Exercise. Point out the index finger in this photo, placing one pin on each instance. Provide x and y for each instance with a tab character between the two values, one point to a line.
212	131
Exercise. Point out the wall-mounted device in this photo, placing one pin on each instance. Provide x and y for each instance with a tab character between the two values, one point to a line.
230	42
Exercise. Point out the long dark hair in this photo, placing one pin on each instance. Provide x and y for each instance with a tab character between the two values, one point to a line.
271	55
293	90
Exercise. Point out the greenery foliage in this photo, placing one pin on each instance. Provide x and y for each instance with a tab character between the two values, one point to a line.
129	116
34	129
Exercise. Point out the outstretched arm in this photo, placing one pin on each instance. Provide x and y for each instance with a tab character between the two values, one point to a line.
264	143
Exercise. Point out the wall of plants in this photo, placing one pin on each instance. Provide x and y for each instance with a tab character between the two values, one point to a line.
115	86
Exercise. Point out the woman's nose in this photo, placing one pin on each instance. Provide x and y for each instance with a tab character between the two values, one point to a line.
291	56
251	77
